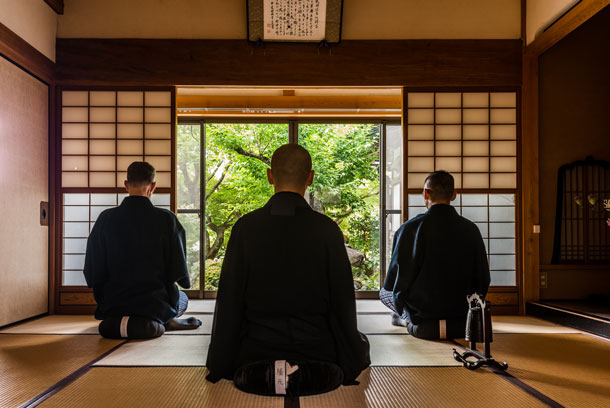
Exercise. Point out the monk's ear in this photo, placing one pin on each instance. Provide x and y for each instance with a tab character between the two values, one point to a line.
270	176
310	178
126	186
453	195
426	194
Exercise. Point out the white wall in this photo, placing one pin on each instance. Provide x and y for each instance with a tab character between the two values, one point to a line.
226	19
32	20
540	13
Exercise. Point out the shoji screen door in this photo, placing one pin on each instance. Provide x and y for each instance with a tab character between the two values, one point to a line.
102	132
474	136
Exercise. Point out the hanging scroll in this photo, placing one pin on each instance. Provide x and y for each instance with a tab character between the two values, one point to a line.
294	20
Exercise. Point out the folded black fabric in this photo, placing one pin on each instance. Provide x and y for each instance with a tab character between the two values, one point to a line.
430	329
130	327
311	377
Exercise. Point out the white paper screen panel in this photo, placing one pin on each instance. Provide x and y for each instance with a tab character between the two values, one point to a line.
80	211
494	215
105	131
473	135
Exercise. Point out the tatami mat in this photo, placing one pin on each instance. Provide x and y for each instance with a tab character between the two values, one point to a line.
375	323
29	364
82	324
409	351
527	324
424	387
572	369
371	306
164	351
201	306
155	387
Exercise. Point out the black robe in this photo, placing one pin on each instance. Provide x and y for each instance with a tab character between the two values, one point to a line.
438	258
286	292
135	253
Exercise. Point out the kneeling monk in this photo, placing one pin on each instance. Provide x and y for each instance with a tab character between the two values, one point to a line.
285	303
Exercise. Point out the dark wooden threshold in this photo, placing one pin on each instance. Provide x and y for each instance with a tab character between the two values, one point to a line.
578	320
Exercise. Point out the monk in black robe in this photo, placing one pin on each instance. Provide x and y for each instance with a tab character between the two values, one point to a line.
438	259
286	290
135	255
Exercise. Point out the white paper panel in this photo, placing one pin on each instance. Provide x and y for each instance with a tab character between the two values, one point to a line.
76	229
457	200
102	130
74	98
504	132
101	114
131	147
160	199
503	99
415	211
163	179
448	116
74	131
73	278
74	163
418	148
158	147
129	131
98	179
74	115
475	180
76	199
129	114
499	180
450	164
476	132
416	200
158	98
120	180
76	213
501	214
503	148
475	214
158	131
503	116
124	161
502	246
503	278
97	210
501	230
446	148
73	179
416	180
101	147
73	261
420	115
74	246
130	98
420	100
160	163
102	163
102	98
475	100
501	262
503	164
103	199
159	115
476	164
448	132
418	132
421	164
448	100
475	116
469	200
74	146
476	148
502	199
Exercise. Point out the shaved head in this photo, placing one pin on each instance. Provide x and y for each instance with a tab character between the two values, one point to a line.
291	166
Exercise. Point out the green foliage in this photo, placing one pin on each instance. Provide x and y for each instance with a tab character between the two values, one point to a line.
346	185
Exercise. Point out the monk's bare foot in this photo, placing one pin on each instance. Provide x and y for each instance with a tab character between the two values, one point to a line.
190	323
397	320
